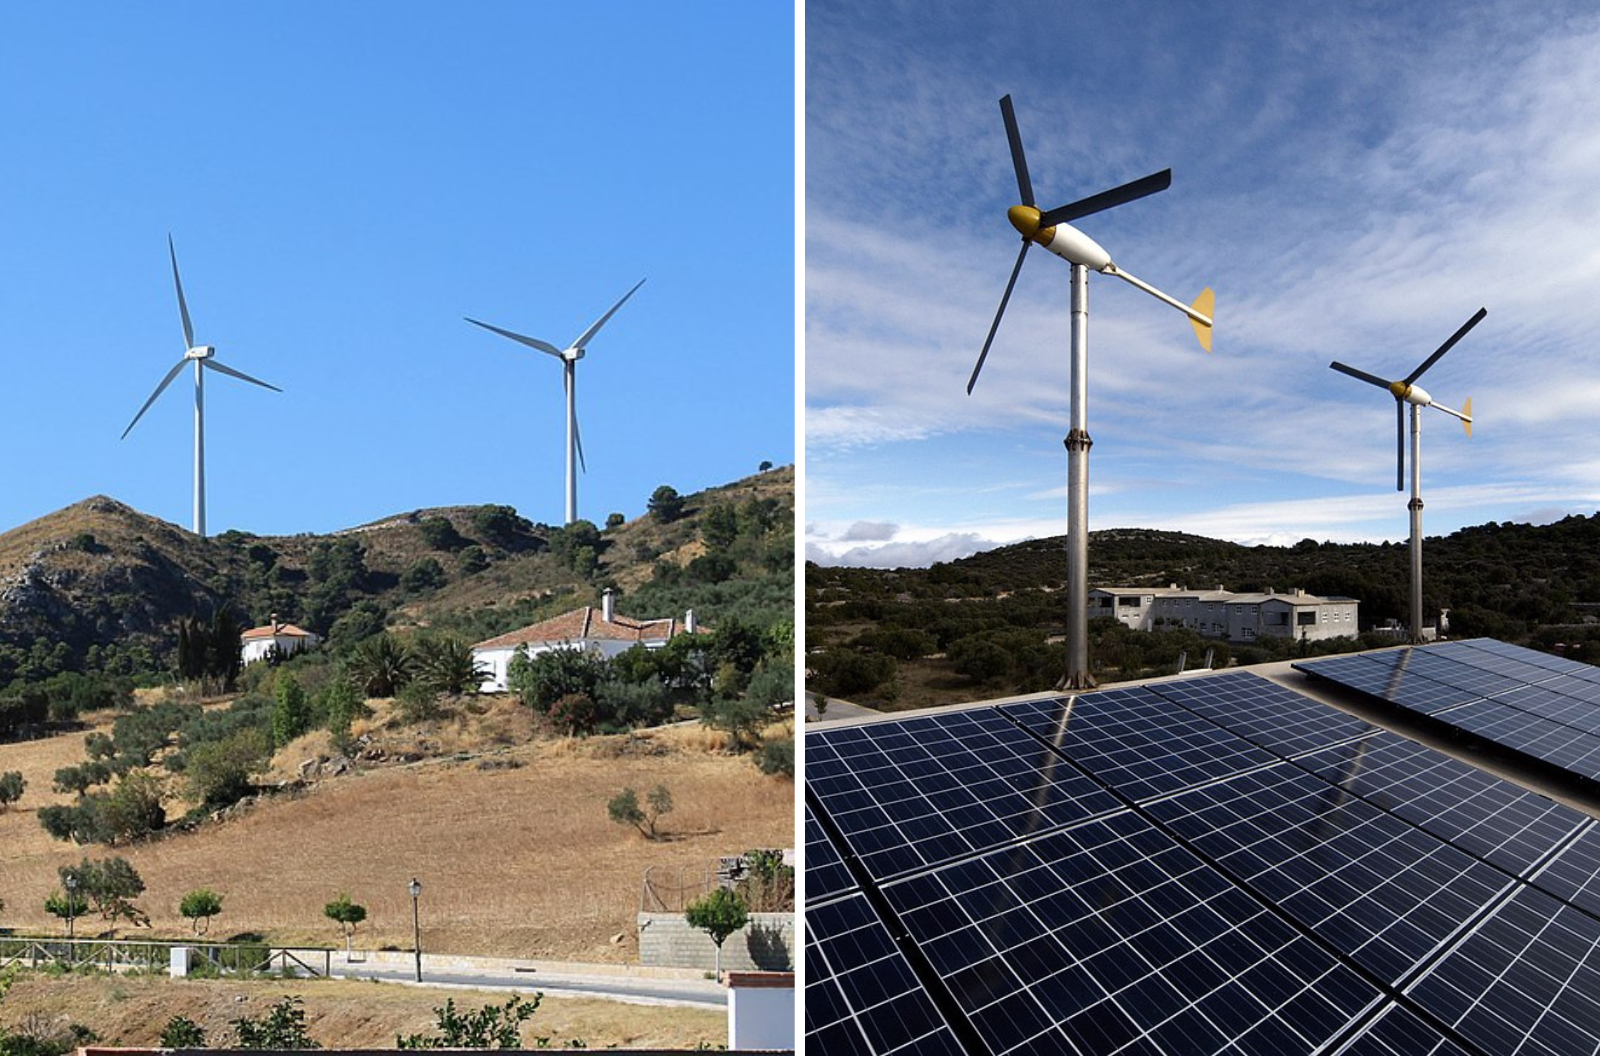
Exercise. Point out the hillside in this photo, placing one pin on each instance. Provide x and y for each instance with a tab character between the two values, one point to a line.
101	586
988	624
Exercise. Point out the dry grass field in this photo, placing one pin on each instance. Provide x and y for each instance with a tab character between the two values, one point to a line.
511	842
339	1014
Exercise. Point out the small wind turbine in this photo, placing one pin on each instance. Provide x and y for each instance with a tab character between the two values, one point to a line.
1052	229
569	357
1406	391
204	359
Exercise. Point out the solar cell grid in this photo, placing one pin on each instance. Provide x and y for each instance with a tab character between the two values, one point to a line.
1574	875
1565	699
1531	657
1478	812
1526	981
1388	676
1539	737
1378	889
909	794
1110	935
825	872
861	996
1138	742
1273	716
1401	1032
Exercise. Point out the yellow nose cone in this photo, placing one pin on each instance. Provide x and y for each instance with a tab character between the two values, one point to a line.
1400	389
1025	218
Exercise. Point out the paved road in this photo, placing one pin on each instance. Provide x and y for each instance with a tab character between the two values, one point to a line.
688	993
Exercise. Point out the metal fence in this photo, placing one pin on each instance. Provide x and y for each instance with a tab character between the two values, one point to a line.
151	955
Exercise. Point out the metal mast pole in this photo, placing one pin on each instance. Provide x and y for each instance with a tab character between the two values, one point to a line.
572	440
199	449
1415	505
1078	444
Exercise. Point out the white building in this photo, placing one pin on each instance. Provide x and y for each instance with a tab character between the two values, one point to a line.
1223	614
600	630
258	642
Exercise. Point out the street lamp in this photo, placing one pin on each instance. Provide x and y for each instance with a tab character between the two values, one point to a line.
71	883
415	887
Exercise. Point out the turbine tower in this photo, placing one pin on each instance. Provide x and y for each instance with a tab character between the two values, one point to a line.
1406	391
569	357
1052	229
204	358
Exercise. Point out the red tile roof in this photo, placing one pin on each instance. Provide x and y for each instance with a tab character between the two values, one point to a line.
281	630
587	623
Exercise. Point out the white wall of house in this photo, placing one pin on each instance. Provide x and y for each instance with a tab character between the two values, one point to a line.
286	644
1221	614
496	663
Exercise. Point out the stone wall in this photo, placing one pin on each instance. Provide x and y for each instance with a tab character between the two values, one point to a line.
765	944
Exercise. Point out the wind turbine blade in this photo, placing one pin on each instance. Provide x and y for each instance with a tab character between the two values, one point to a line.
159	390
577	435
531	342
1448	345
1206	305
998	313
588	335
1359	375
1019	161
1400	445
241	375
183	307
1066	214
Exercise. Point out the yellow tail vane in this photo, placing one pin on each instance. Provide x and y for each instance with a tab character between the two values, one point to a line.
1467	410
1206	305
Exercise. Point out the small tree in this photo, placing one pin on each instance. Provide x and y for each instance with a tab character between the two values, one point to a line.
66	907
347	915
221	772
291	711
624	809
719	914
198	907
666	504
491	1027
11	787
111	884
283	1027
181	1032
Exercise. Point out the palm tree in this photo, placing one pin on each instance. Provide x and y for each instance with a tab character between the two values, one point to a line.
446	665
381	665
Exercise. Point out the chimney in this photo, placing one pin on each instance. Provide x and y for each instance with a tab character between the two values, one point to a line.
275	624
688	621
608	605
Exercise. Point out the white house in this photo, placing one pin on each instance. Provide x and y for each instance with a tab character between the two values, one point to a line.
258	642
1223	614
600	630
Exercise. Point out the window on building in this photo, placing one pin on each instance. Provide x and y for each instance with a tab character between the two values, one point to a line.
1305	619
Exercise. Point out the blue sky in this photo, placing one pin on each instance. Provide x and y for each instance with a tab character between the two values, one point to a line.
1354	180
345	182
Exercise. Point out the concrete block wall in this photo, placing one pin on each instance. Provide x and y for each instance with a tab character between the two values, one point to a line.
765	944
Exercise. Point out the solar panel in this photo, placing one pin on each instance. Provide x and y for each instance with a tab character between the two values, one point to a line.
909	794
1139	743
825	871
1541	738
1502	653
1110	934
1401	1032
1376	888
1262	712
1387	675
1574	875
1527	980
1484	815
861	996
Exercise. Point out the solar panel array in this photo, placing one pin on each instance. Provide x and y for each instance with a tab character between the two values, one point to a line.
1544	707
1216	864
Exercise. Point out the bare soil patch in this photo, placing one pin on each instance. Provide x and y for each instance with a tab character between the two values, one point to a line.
339	1013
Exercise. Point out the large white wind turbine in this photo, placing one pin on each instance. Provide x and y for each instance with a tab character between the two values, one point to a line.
569	357
1053	230
204	359
1406	391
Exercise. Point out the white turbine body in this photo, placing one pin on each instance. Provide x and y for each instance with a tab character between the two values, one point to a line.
569	357
1052	230
204	358
1406	392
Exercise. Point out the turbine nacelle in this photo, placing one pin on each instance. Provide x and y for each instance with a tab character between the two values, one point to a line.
201	352
1064	240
